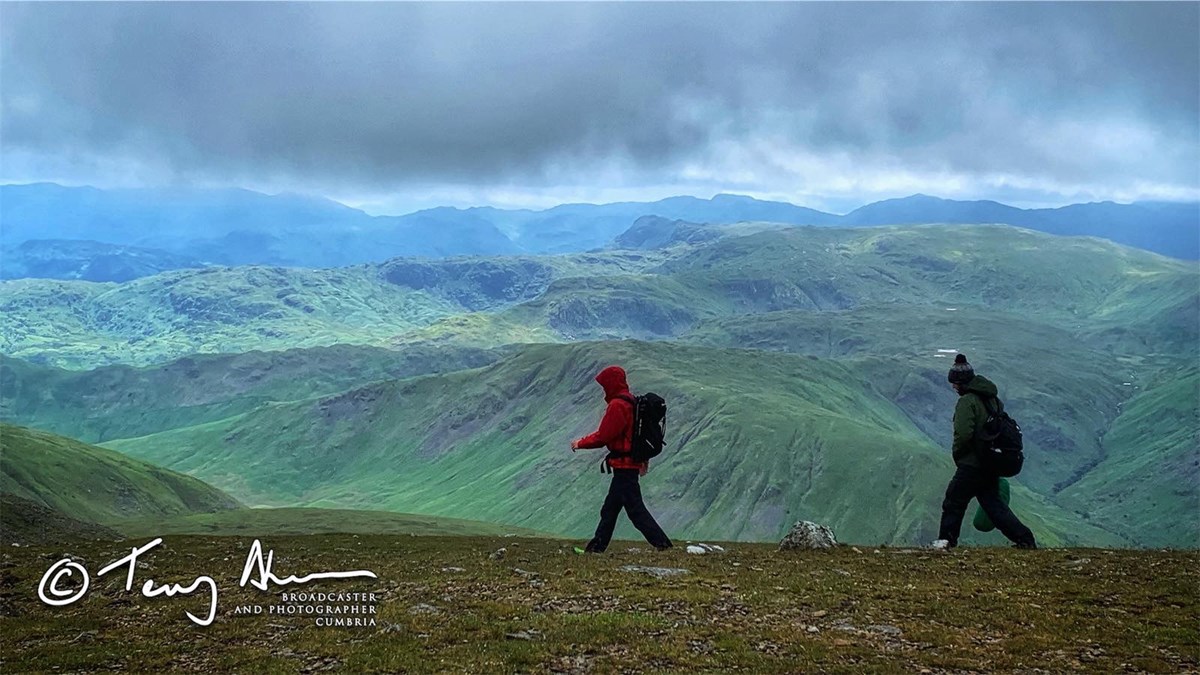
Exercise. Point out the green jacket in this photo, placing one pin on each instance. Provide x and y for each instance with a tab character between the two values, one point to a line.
969	416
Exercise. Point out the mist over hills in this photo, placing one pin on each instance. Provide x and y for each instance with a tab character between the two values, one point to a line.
1169	228
88	260
240	227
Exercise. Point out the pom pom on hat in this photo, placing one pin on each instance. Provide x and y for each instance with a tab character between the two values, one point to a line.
961	372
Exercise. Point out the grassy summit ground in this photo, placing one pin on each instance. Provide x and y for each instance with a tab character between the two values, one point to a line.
443	605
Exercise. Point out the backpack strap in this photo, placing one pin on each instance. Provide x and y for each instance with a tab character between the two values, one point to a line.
604	467
632	401
992	409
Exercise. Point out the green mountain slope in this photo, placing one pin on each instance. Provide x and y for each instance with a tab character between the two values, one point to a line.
120	401
95	484
1114	299
1074	283
154	319
1061	391
55	489
300	521
76	324
1147	482
1111	437
23	522
758	441
484	283
617	307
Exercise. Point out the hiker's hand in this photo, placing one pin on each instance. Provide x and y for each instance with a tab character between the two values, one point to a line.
574	445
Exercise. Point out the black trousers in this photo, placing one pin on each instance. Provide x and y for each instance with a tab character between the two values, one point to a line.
625	492
971	482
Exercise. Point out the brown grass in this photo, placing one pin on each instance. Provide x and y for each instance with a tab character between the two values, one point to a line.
544	609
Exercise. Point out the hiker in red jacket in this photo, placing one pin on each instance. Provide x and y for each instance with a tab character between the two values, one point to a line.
616	433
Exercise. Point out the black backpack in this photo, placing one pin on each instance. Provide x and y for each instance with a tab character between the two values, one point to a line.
1003	449
649	426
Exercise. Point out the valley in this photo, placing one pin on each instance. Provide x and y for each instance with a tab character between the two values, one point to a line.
804	367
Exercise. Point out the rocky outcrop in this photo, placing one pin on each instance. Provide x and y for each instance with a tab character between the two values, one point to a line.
654	232
807	535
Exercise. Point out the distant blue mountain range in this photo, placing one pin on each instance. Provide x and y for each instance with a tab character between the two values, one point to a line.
186	227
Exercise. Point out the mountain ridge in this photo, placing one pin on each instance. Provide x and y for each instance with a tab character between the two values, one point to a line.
238	226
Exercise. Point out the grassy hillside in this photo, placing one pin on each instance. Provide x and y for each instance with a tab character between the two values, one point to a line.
478	284
474	331
616	307
78	324
300	521
121	401
93	484
56	489
1147	480
1069	282
758	440
1114	299
1062	392
1107	436
23	522
443	606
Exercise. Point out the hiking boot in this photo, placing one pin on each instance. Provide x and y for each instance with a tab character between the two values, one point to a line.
1025	545
664	547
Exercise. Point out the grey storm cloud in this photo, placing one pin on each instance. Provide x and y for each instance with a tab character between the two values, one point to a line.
384	93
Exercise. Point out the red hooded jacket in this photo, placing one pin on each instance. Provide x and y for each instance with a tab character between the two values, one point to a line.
616	428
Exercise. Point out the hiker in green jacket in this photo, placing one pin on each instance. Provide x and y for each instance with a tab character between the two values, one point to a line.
972	479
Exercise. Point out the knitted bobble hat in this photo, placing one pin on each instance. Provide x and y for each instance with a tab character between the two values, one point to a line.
961	372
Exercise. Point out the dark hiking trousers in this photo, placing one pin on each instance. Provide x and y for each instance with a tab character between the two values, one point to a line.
625	492
973	482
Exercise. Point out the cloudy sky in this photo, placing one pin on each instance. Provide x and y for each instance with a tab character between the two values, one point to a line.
400	106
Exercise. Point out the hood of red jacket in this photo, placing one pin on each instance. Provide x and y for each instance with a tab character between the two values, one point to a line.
612	379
